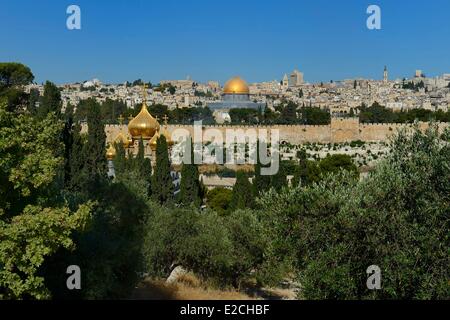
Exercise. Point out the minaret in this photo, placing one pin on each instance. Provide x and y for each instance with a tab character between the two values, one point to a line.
285	82
385	75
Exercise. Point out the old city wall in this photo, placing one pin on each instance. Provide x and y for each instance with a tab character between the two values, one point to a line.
340	130
294	134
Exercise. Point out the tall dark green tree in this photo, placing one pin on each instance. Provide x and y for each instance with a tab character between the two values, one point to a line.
289	113
69	111
96	165
315	116
242	196
278	180
261	182
335	163
270	117
32	101
76	181
190	189
306	172
34	222
120	160
67	137
50	101
300	174
162	186
14	74
143	166
12	77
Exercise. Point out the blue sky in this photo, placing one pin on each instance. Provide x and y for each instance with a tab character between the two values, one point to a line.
214	40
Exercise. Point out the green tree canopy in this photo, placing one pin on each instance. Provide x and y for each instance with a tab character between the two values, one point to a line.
50	101
397	219
261	182
242	196
335	163
191	191
162	185
33	222
14	74
95	147
219	199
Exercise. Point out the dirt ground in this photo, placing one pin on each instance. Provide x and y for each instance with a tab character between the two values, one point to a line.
190	287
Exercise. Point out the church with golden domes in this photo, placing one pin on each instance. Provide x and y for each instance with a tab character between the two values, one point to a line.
236	94
144	126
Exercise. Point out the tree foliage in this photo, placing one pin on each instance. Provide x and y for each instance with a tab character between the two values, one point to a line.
34	223
380	114
14	74
261	182
397	219
191	190
224	250
50	101
162	185
218	199
94	149
242	196
336	162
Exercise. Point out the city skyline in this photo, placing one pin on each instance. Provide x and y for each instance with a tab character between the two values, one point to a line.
241	150
120	42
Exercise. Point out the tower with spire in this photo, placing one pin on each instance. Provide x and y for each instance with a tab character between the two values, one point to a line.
285	82
385	75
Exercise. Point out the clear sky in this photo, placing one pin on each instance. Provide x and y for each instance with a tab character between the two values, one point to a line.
259	40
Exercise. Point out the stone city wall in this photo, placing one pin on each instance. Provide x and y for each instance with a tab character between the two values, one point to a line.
340	130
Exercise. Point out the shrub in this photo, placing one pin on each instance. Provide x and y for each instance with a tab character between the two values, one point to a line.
337	162
219	199
397	219
223	250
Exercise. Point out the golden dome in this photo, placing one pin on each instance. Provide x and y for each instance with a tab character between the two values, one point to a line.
121	138
154	140
236	86
111	152
143	125
158	134
167	135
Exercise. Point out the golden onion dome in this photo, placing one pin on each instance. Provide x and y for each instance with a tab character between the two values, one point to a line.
143	125
236	86
111	152
123	139
168	136
154	140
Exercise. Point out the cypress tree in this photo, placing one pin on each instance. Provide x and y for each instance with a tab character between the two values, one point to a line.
242	196
191	189
120	160
289	113
143	166
96	165
67	137
138	161
301	171
77	160
279	180
50	101
147	175
162	186
69	112
261	183
32	100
